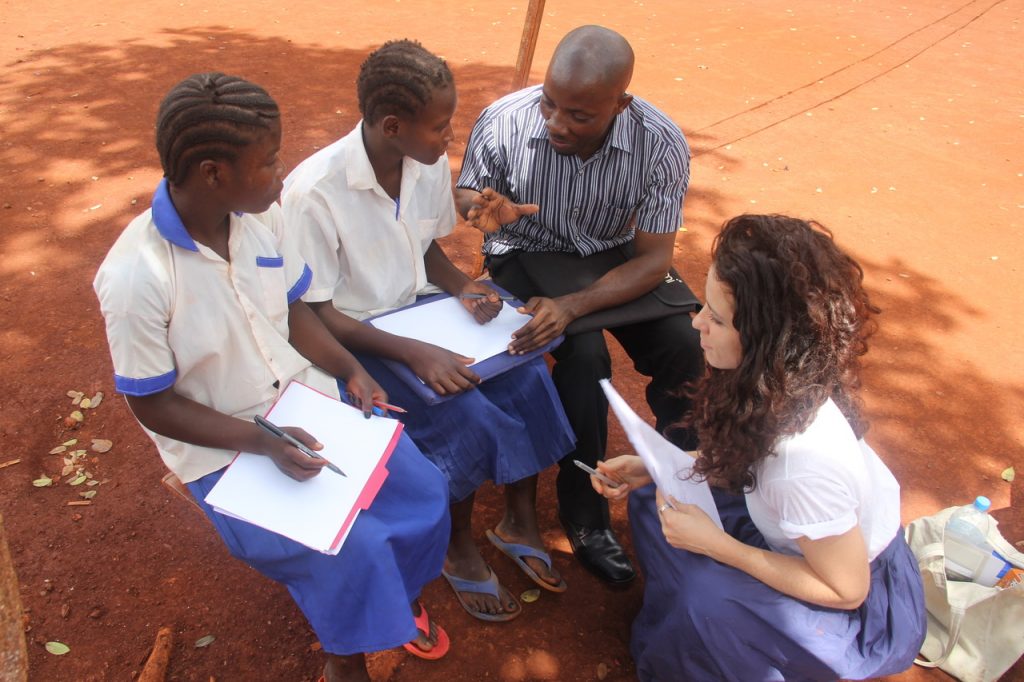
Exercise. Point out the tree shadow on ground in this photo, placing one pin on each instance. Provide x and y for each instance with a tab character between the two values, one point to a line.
942	428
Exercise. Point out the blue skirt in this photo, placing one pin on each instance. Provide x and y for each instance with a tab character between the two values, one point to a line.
702	620
507	428
357	601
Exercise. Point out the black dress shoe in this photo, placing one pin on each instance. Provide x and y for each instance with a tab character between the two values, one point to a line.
599	552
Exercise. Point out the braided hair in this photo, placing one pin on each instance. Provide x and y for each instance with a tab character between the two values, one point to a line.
209	116
398	79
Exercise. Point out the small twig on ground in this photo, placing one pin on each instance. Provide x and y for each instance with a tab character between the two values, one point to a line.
156	664
10	462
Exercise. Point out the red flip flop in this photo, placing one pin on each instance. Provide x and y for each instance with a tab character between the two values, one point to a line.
423	625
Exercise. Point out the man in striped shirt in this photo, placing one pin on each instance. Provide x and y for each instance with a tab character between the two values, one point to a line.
579	166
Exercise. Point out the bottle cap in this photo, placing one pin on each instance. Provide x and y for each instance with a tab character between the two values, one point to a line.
982	503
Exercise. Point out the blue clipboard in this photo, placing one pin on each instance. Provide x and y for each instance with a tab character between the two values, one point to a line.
485	369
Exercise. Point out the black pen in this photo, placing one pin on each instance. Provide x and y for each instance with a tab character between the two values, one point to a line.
270	428
501	298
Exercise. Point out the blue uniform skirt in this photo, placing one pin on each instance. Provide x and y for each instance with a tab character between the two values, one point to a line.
702	620
507	428
358	600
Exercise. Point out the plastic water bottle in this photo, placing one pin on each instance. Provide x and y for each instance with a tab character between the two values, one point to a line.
970	523
969	555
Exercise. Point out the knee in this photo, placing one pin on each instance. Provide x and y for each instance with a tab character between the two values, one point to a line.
584	352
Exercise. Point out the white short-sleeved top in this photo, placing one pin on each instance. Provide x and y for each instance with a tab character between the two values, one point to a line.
365	249
822	483
180	316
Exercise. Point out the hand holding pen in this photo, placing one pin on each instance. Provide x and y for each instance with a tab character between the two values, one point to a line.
300	470
482	302
476	296
380	408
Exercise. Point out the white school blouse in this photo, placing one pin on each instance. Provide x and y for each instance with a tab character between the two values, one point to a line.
365	249
180	316
821	483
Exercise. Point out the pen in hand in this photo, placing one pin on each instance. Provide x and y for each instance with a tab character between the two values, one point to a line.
474	296
287	437
388	406
379	406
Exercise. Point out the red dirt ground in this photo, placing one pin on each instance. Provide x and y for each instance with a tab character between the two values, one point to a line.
897	124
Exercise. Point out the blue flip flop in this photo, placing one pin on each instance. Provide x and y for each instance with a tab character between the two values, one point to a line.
487	586
517	552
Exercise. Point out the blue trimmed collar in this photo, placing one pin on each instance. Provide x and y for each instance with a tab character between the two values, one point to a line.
168	222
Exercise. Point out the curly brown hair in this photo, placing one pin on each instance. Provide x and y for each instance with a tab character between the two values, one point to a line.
803	318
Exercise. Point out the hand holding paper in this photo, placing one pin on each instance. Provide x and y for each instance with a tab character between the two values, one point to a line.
667	464
688	527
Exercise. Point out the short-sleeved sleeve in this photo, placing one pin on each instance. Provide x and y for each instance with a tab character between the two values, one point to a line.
135	300
812	506
483	165
661	209
447	216
311	231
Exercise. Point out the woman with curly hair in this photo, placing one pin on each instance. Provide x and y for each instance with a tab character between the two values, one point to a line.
811	578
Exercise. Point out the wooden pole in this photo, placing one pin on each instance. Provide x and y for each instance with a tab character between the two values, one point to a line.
528	43
13	657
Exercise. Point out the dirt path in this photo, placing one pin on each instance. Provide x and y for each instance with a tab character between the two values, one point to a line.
896	125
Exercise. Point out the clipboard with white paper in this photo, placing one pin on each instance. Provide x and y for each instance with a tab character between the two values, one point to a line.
668	465
320	512
443	321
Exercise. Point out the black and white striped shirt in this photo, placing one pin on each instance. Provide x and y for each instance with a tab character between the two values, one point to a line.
636	180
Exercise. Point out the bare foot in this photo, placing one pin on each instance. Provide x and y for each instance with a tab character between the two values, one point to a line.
424	641
506	532
476	569
346	668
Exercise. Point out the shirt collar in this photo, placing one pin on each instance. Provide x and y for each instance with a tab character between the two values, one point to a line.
359	171
168	222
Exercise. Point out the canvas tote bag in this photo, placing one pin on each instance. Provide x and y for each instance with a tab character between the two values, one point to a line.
975	633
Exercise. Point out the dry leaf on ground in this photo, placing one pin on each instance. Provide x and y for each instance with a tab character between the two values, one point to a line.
57	648
530	596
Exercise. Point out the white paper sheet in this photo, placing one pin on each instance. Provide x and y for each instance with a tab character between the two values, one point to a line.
446	323
667	464
310	512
